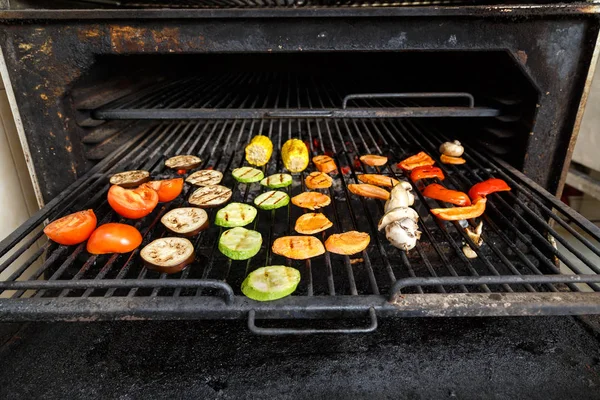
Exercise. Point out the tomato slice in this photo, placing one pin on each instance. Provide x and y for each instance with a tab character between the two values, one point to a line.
114	238
132	203
72	229
168	189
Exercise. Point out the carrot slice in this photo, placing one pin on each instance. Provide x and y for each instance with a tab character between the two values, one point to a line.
347	243
371	191
311	200
373	160
311	223
318	180
452	160
324	164
298	247
378	180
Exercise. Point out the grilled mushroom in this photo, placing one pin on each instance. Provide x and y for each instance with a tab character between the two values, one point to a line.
397	214
453	149
403	234
186	221
130	179
168	255
398	198
185	162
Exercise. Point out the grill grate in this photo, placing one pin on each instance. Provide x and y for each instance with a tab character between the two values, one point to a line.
519	255
269	3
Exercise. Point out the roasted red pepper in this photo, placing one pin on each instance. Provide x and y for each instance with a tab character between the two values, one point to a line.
427	171
457	213
438	192
484	188
418	160
452	160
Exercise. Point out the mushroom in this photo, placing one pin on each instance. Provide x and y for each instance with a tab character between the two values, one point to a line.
453	149
475	233
468	251
397	214
400	196
403	234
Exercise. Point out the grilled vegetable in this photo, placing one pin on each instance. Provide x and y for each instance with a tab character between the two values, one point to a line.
168	255
490	186
397	214
183	162
399	198
452	149
114	238
318	180
373	160
235	214
324	164
73	228
247	174
271	283
259	150
186	221
205	177
408	188
167	189
311	200
403	234
347	243
132	203
457	213
272	200
378	180
452	160
426	172
294	154
277	181
130	179
311	223
418	160
438	192
371	191
298	247
210	196
240	243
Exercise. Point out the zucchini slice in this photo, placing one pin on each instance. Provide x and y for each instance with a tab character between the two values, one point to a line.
235	214
271	283
277	181
247	174
271	200
240	243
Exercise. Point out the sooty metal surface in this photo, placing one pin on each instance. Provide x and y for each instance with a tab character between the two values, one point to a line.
517	271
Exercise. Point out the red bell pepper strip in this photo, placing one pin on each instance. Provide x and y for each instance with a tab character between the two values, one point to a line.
457	213
438	192
418	160
426	172
484	188
452	160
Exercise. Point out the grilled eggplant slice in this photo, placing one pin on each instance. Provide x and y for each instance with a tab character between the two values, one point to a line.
235	214
240	243
210	196
271	283
185	162
168	255
347	243
205	177
277	181
298	247
130	179
186	221
271	200
311	223
247	174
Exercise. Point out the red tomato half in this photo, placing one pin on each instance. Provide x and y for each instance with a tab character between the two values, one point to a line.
168	189
114	238
72	229
132	203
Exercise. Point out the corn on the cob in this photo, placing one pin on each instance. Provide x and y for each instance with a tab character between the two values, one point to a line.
294	155
259	150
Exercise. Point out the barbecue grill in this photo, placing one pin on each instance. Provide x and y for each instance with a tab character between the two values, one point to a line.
98	95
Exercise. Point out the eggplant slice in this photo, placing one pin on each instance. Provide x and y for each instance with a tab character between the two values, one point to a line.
130	179
168	255
210	196
185	162
186	221
205	177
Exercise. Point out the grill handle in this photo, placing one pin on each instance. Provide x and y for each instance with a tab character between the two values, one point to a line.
429	95
309	331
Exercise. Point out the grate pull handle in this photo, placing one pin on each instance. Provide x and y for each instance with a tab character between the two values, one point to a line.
309	331
428	95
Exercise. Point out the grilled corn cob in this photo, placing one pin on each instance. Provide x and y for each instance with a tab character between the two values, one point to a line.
294	155
259	150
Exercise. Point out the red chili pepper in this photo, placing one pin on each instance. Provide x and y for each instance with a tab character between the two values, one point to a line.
438	192
418	160
425	172
457	213
484	188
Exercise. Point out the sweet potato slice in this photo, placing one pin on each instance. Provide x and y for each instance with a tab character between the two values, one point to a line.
298	247
324	164
318	180
311	223
373	160
371	191
378	180
311	200
347	243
